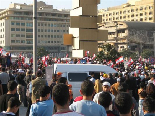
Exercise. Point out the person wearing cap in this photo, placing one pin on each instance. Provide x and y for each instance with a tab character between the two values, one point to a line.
106	88
59	75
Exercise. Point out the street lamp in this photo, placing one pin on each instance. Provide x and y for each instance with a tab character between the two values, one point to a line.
34	37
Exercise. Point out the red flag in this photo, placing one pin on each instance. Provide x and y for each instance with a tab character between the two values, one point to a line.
66	55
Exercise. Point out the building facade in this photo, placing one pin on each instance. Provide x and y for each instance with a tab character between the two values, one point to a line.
135	36
16	28
133	10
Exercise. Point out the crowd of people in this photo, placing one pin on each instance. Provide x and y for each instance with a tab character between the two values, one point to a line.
130	92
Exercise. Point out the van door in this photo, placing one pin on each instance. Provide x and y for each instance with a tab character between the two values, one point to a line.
75	79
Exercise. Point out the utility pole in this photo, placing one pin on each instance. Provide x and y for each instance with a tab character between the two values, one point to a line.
34	37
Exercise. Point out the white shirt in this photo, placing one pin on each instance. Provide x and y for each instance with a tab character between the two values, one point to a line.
67	114
97	96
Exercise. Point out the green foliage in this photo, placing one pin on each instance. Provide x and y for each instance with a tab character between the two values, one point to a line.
129	54
147	53
41	52
108	52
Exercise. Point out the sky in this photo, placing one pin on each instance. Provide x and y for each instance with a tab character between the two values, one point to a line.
62	4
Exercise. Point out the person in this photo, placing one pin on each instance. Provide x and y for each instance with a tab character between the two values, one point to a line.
98	86
13	106
45	106
123	87
12	89
37	84
61	98
106	88
4	77
92	74
150	90
114	87
105	100
86	106
149	107
142	96
59	75
1	89
124	104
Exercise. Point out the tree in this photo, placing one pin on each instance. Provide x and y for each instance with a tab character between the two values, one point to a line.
147	53
41	52
129	54
108	52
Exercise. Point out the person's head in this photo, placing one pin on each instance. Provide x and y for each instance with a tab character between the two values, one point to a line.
3	69
124	103
142	94
12	86
92	74
39	73
149	105
110	75
123	87
106	86
146	75
142	85
118	80
61	94
62	80
45	92
150	89
13	104
87	88
105	99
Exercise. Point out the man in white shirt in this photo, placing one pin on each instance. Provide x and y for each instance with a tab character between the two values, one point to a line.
106	88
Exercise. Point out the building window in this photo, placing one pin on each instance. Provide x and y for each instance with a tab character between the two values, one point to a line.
45	36
132	15
63	30
17	35
132	10
150	13
22	41
12	41
29	24
136	9
150	18
45	30
150	7
29	36
13	35
22	35
12	29
141	19
22	24
145	13
17	29
51	30
22	29
51	36
42	30
29	41
38	24
18	24
48	30
38	30
48	41
141	8
55	36
17	41
12	23
29	30
39	36
51	25
141	14
55	30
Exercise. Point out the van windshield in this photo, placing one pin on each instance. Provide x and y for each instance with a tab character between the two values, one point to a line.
74	77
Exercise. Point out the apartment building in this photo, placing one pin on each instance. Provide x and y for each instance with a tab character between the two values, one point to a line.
16	27
132	35
133	10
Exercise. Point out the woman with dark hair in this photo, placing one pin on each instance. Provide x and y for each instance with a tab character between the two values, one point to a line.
150	90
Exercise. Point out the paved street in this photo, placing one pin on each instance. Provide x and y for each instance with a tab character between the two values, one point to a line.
22	110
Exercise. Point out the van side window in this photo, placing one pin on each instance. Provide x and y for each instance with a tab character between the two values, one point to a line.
74	77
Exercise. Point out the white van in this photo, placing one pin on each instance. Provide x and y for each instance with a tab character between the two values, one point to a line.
77	73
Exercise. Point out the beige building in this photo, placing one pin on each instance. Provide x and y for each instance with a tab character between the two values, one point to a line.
133	10
16	28
84	32
135	36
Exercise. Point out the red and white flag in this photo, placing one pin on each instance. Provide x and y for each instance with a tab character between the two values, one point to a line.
66	55
94	56
86	53
111	64
119	60
130	62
